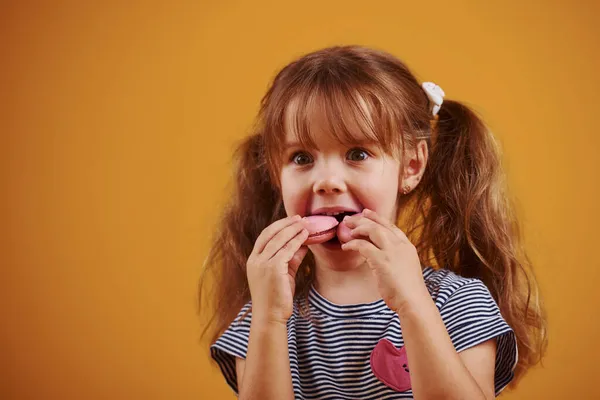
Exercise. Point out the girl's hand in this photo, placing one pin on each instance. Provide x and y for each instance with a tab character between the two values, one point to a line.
272	266
390	255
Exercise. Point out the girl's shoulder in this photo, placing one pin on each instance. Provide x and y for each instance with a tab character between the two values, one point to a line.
444	284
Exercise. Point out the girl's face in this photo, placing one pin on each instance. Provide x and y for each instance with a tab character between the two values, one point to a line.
336	177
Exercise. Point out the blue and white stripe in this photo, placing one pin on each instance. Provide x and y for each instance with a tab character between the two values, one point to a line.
329	356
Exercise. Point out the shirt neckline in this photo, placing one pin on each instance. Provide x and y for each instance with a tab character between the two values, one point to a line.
358	311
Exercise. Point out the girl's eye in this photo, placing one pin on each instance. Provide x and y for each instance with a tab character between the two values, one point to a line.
357	155
301	158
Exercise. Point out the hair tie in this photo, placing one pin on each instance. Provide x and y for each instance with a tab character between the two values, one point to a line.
435	94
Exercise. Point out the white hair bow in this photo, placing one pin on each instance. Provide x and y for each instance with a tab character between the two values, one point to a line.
435	94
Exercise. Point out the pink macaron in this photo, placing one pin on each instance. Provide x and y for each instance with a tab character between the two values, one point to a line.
321	228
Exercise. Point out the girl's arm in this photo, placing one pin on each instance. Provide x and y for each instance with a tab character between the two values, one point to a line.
265	374
271	269
437	371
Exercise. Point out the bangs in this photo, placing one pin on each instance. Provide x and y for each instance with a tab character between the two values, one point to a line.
349	115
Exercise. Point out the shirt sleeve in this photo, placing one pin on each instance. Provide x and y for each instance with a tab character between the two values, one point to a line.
472	317
231	344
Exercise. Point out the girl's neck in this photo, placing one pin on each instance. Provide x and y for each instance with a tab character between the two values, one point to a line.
352	286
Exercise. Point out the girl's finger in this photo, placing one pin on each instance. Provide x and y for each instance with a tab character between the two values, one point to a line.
296	260
356	220
372	215
375	232
269	232
364	247
286	252
281	238
369	228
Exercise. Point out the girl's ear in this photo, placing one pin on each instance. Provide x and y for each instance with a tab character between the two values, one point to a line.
413	169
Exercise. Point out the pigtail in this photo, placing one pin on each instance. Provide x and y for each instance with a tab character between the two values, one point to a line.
471	227
459	217
255	204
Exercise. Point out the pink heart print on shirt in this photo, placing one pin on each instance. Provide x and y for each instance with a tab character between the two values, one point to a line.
390	365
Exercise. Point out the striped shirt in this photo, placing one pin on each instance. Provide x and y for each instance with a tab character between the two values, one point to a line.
330	359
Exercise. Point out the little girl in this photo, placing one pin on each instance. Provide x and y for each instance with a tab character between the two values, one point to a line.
453	312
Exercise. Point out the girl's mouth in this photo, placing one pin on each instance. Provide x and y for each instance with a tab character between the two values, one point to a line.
326	227
341	215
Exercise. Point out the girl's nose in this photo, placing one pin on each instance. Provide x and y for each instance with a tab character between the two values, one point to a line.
331	184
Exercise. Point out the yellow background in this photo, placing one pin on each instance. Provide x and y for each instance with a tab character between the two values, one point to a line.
117	124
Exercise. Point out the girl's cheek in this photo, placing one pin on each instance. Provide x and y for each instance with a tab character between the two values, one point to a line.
295	202
368	198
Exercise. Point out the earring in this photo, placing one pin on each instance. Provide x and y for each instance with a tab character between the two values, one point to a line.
406	189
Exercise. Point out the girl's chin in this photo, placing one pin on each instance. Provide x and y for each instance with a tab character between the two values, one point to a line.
333	247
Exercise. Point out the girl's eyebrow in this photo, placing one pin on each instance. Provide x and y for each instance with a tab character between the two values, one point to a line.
362	142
